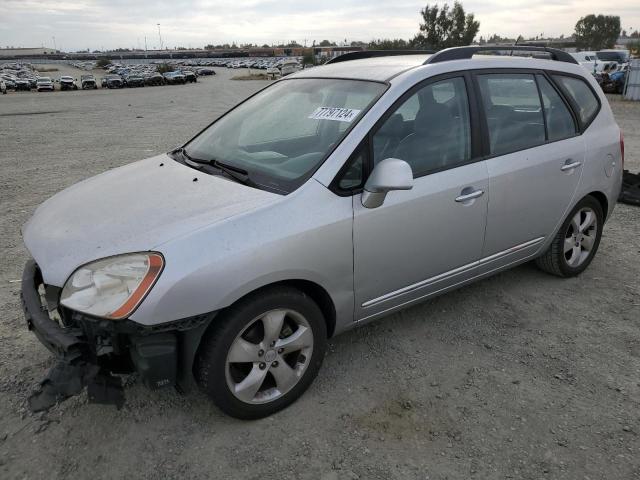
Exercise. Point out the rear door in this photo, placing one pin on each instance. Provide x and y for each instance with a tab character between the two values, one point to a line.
534	165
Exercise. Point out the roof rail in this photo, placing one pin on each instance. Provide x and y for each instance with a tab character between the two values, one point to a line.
461	53
376	53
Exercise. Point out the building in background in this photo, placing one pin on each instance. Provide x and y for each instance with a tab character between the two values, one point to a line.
26	52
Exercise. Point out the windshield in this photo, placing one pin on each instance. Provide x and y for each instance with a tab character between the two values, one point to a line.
612	56
282	134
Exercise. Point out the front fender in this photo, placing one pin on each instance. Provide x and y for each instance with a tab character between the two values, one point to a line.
308	237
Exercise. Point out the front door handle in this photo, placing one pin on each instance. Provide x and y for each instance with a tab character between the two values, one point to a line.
469	196
570	166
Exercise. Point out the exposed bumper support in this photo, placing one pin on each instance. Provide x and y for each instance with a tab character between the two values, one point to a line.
89	350
63	344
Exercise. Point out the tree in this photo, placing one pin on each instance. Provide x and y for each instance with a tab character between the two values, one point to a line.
308	57
103	62
444	27
595	32
388	44
326	43
498	39
164	68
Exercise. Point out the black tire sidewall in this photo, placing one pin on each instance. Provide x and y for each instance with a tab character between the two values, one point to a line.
210	368
592	203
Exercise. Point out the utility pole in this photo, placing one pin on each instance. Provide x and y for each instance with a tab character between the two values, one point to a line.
160	36
145	43
54	43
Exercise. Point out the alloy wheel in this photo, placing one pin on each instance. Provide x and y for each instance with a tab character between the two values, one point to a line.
580	237
269	357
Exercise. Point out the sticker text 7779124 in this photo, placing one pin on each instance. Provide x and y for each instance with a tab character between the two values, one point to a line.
335	113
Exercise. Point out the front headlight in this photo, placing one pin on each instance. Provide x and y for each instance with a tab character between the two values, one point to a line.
112	287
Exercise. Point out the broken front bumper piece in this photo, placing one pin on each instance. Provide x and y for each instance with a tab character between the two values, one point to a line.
91	350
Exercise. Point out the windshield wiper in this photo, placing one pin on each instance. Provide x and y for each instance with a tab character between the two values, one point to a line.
238	174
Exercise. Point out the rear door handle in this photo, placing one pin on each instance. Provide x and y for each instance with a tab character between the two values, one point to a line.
469	196
570	166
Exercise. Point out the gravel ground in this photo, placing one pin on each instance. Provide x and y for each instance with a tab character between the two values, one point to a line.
519	376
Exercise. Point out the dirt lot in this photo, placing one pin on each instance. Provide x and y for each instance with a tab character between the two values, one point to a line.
520	376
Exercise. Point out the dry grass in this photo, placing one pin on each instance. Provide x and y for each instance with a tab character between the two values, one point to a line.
252	76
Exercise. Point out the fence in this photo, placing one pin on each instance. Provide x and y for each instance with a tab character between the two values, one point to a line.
632	85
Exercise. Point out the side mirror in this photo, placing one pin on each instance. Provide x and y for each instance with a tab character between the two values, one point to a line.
390	174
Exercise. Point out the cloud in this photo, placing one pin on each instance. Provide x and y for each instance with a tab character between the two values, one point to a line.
121	23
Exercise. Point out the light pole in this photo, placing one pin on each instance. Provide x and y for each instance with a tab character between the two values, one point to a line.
160	36
54	44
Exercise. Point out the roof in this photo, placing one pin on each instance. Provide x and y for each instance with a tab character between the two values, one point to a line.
384	68
379	69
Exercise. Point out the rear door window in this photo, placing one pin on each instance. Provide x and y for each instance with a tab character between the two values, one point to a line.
512	110
584	99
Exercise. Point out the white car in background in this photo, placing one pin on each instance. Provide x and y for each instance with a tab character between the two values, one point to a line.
289	66
589	60
273	71
44	84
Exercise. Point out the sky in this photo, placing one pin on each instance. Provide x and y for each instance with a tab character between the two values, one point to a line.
105	24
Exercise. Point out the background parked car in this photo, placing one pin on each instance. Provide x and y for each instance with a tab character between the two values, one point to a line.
174	78
205	71
9	83
189	76
88	82
613	82
67	83
154	79
43	84
133	80
112	81
23	85
3	87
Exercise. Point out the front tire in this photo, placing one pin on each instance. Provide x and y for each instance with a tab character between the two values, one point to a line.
262	353
577	241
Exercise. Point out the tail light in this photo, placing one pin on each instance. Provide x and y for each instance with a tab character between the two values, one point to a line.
622	148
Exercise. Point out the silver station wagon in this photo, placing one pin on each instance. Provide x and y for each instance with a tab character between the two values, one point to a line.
331	198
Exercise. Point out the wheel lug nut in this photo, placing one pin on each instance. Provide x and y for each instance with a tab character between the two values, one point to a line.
280	350
273	343
262	365
260	353
274	364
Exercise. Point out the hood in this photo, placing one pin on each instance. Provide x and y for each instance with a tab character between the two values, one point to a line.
130	209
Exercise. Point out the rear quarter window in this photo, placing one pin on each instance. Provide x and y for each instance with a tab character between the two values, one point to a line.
583	98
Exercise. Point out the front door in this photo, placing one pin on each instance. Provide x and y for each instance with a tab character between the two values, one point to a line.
422	240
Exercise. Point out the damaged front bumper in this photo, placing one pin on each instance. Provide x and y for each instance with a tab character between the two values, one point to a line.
91	350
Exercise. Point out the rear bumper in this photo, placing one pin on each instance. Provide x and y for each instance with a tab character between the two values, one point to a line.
161	354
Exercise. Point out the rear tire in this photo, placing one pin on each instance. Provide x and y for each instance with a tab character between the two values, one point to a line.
262	353
576	242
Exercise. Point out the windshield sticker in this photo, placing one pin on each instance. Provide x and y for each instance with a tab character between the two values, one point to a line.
335	113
